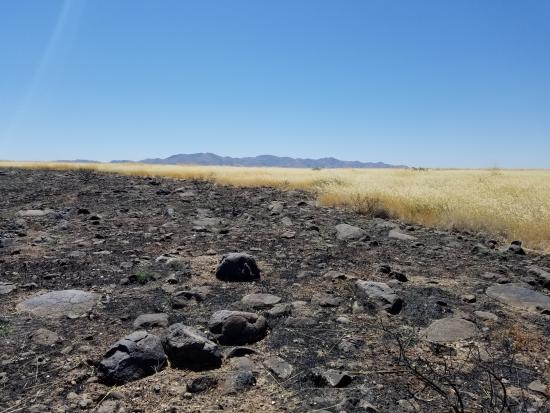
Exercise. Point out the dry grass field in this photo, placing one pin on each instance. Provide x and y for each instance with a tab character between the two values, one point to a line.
508	204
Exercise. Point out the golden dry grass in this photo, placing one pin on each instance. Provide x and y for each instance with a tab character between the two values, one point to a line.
509	204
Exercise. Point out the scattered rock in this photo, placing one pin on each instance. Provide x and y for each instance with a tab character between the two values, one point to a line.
516	248
201	384
7	287
276	207
539	387
469	298
238	381
238	267
332	378
108	406
57	304
146	321
519	296
260	300
379	295
137	355
34	213
280	368
186	348
237	327
45	337
447	330
183	298
326	300
542	276
396	234
486	315
346	232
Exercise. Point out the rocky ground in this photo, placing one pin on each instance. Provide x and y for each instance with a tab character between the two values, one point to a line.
112	291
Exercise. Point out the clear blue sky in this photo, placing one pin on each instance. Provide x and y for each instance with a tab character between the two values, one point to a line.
432	83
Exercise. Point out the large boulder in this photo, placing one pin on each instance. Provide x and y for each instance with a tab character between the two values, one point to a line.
57	304
377	295
238	267
237	327
346	232
186	348
137	355
519	296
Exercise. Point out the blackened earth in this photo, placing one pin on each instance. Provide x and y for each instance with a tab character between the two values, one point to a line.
137	242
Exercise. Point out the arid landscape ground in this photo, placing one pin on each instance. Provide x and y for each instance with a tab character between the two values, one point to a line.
349	312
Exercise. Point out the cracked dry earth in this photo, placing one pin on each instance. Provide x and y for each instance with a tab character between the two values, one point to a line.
111	287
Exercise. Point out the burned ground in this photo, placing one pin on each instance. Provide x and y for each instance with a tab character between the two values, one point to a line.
136	242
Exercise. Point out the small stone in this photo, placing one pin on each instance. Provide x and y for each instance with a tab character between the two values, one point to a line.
7	287
44	337
108	406
147	321
346	232
239	381
469	298
486	315
237	327
280	368
260	300
398	235
326	300
34	213
516	248
201	384
539	387
238	267
332	378
379	295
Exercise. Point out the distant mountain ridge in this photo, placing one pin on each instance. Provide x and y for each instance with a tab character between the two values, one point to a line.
264	160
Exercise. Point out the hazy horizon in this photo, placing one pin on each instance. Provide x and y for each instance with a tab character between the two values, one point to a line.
431	84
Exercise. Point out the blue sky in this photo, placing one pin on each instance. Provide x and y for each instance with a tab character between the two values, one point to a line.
430	83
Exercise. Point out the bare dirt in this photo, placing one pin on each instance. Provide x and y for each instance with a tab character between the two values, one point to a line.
136	242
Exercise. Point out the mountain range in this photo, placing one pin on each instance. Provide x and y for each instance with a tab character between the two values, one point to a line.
263	161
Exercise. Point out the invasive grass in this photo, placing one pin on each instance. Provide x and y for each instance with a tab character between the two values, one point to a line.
5	328
142	276
509	204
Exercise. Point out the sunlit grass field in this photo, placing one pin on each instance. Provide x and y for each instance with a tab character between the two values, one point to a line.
506	204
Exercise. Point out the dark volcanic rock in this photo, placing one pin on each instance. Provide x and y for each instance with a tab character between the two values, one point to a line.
238	381
201	384
188	349
238	267
332	378
137	355
237	327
